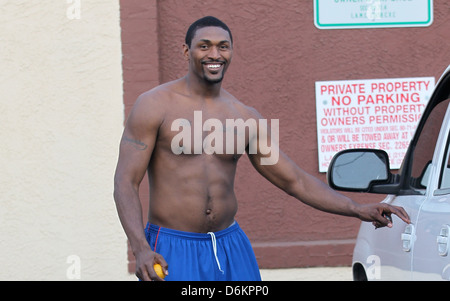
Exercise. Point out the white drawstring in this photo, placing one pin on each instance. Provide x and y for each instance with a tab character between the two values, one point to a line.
213	240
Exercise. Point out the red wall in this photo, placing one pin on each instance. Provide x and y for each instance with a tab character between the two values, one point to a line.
278	56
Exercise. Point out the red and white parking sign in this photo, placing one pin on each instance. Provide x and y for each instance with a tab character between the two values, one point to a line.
374	113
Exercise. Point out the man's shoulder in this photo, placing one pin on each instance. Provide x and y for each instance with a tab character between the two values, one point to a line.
160	92
152	105
244	109
158	98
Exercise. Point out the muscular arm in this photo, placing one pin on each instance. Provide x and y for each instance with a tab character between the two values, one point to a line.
136	148
286	175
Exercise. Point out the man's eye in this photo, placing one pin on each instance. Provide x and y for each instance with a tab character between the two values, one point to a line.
203	46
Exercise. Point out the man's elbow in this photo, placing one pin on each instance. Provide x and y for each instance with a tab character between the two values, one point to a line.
292	186
117	189
120	184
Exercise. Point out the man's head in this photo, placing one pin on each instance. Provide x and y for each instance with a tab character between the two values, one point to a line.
204	22
208	48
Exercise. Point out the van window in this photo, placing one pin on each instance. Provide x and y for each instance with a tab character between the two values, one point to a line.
424	150
445	175
444	182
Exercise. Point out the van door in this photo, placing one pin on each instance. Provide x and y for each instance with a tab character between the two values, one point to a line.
420	184
431	260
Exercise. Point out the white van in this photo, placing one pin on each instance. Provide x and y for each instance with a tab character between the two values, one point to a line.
420	250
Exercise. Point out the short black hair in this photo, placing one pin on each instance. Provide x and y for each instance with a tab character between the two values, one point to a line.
204	22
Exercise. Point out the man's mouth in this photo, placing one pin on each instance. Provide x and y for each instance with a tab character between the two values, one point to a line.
213	66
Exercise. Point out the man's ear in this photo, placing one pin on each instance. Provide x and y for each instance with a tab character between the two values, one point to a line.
186	52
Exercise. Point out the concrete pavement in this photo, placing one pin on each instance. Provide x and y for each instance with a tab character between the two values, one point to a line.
308	274
299	274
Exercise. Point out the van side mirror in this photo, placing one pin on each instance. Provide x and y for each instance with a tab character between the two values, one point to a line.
358	170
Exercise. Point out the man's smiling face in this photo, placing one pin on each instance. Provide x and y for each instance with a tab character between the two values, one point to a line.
210	54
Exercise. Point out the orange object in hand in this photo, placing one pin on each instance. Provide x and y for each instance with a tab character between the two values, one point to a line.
159	271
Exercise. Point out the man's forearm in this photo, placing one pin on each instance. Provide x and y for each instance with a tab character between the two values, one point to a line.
317	194
130	214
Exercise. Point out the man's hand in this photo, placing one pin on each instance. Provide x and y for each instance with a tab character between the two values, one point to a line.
380	214
144	265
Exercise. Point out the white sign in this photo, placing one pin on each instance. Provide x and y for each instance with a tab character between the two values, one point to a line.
336	14
374	113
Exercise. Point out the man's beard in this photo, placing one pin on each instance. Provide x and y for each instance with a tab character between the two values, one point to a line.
213	81
214	78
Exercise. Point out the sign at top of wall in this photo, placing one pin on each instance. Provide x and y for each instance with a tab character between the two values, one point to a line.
373	113
339	14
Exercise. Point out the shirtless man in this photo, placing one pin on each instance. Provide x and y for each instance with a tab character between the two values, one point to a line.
191	229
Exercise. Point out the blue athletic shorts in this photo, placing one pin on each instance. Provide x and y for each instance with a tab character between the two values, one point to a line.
224	255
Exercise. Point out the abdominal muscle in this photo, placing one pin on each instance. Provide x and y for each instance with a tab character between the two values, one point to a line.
193	193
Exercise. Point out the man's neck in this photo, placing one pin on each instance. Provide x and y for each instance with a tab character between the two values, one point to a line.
202	88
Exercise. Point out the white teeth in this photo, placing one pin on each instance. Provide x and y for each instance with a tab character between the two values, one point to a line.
213	66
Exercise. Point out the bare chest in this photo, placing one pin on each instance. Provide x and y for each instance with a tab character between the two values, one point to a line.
199	133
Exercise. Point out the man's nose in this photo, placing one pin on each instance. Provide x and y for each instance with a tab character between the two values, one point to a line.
214	53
